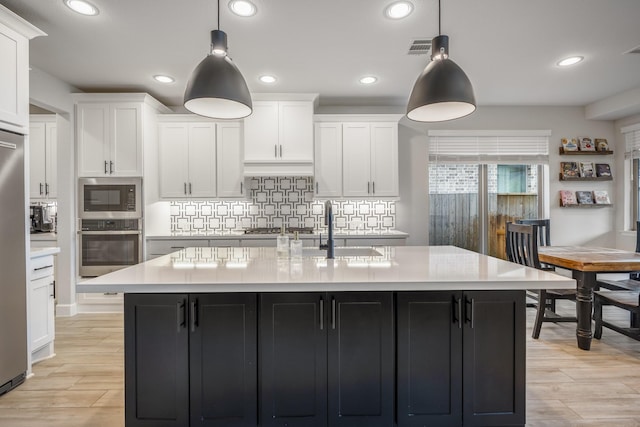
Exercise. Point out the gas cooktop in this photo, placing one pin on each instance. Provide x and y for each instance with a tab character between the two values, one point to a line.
276	230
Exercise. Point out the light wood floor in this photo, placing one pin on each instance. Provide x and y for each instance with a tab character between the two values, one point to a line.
83	385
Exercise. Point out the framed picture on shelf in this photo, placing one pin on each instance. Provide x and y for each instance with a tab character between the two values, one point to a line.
586	144
569	169
584	197
568	198
569	144
587	170
601	144
601	197
603	169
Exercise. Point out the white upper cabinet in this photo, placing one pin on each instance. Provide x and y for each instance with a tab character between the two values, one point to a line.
110	129
355	159
229	160
328	160
278	138
43	157
187	160
15	34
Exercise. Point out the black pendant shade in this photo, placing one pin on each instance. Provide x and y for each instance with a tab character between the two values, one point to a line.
443	91
216	87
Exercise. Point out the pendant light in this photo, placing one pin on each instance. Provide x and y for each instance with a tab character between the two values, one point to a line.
216	87
443	91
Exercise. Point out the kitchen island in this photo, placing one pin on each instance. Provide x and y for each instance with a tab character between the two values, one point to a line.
406	336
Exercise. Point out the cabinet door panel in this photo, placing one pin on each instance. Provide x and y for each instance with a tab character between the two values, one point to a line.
14	78
37	160
429	359
494	358
126	139
51	156
384	159
93	136
173	143
296	131
361	359
156	360
223	360
293	360
202	160
261	132
229	160
41	313
356	169
328	159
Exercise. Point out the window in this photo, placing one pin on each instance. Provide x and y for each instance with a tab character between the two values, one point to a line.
479	180
632	157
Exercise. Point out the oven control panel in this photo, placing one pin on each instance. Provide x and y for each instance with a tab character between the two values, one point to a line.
110	224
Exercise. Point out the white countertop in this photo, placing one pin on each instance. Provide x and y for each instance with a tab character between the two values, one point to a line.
37	237
400	268
239	234
40	252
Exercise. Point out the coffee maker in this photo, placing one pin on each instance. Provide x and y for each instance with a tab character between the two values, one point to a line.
42	218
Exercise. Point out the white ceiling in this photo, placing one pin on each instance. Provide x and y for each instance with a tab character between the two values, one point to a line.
508	48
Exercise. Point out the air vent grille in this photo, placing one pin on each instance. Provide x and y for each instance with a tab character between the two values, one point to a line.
634	50
420	46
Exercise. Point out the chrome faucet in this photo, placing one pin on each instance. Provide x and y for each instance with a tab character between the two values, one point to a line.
328	221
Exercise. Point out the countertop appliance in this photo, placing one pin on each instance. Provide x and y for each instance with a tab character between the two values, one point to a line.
13	280
106	198
108	245
42	219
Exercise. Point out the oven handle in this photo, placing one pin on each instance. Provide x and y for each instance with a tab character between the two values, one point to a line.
122	232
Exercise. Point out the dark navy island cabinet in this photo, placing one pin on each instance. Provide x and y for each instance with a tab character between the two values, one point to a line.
316	359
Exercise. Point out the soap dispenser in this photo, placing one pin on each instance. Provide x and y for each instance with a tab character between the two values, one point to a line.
296	247
282	244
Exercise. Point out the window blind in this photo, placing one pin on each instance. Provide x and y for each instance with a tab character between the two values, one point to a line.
489	147
632	141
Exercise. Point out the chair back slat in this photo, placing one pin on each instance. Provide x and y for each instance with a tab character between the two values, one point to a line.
522	244
544	229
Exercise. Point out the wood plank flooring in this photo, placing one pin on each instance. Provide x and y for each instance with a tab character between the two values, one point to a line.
82	386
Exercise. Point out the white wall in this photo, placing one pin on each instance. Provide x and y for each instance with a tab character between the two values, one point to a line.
570	226
52	94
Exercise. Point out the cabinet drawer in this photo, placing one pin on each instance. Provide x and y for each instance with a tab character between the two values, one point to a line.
41	267
163	247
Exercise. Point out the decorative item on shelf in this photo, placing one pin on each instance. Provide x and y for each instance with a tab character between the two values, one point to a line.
443	91
601	197
584	197
569	169
567	198
569	144
586	170
216	87
603	170
586	144
601	144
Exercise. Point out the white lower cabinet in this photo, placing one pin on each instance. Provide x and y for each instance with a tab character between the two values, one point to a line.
41	307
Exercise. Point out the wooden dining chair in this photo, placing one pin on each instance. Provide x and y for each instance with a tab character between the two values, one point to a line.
626	300
522	247
629	284
544	235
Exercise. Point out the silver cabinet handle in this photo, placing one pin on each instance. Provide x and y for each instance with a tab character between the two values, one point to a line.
189	188
459	304
275	150
241	189
110	167
321	313
185	188
333	313
368	187
194	315
373	185
180	315
280	150
105	167
43	268
46	189
469	317
53	289
317	187
41	189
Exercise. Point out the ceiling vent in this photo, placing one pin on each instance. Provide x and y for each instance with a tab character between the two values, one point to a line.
634	50
420	46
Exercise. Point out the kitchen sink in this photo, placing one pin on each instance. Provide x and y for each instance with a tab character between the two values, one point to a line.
341	252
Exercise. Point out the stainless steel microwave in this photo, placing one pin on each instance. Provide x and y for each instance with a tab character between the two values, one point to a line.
107	198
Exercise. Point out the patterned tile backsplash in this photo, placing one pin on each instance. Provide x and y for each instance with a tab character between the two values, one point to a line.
280	201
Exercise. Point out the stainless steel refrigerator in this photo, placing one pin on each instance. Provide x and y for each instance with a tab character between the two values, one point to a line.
13	280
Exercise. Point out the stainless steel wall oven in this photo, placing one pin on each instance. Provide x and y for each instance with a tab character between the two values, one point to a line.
108	245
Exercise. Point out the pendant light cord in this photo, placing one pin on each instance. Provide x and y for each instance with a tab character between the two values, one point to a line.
219	14
439	18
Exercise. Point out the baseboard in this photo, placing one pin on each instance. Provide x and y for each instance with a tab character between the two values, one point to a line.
66	310
100	308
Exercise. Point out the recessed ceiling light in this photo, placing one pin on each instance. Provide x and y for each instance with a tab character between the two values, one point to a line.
399	10
242	7
164	79
82	7
368	80
268	79
570	61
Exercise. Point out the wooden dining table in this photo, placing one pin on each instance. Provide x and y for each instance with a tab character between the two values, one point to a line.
585	263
